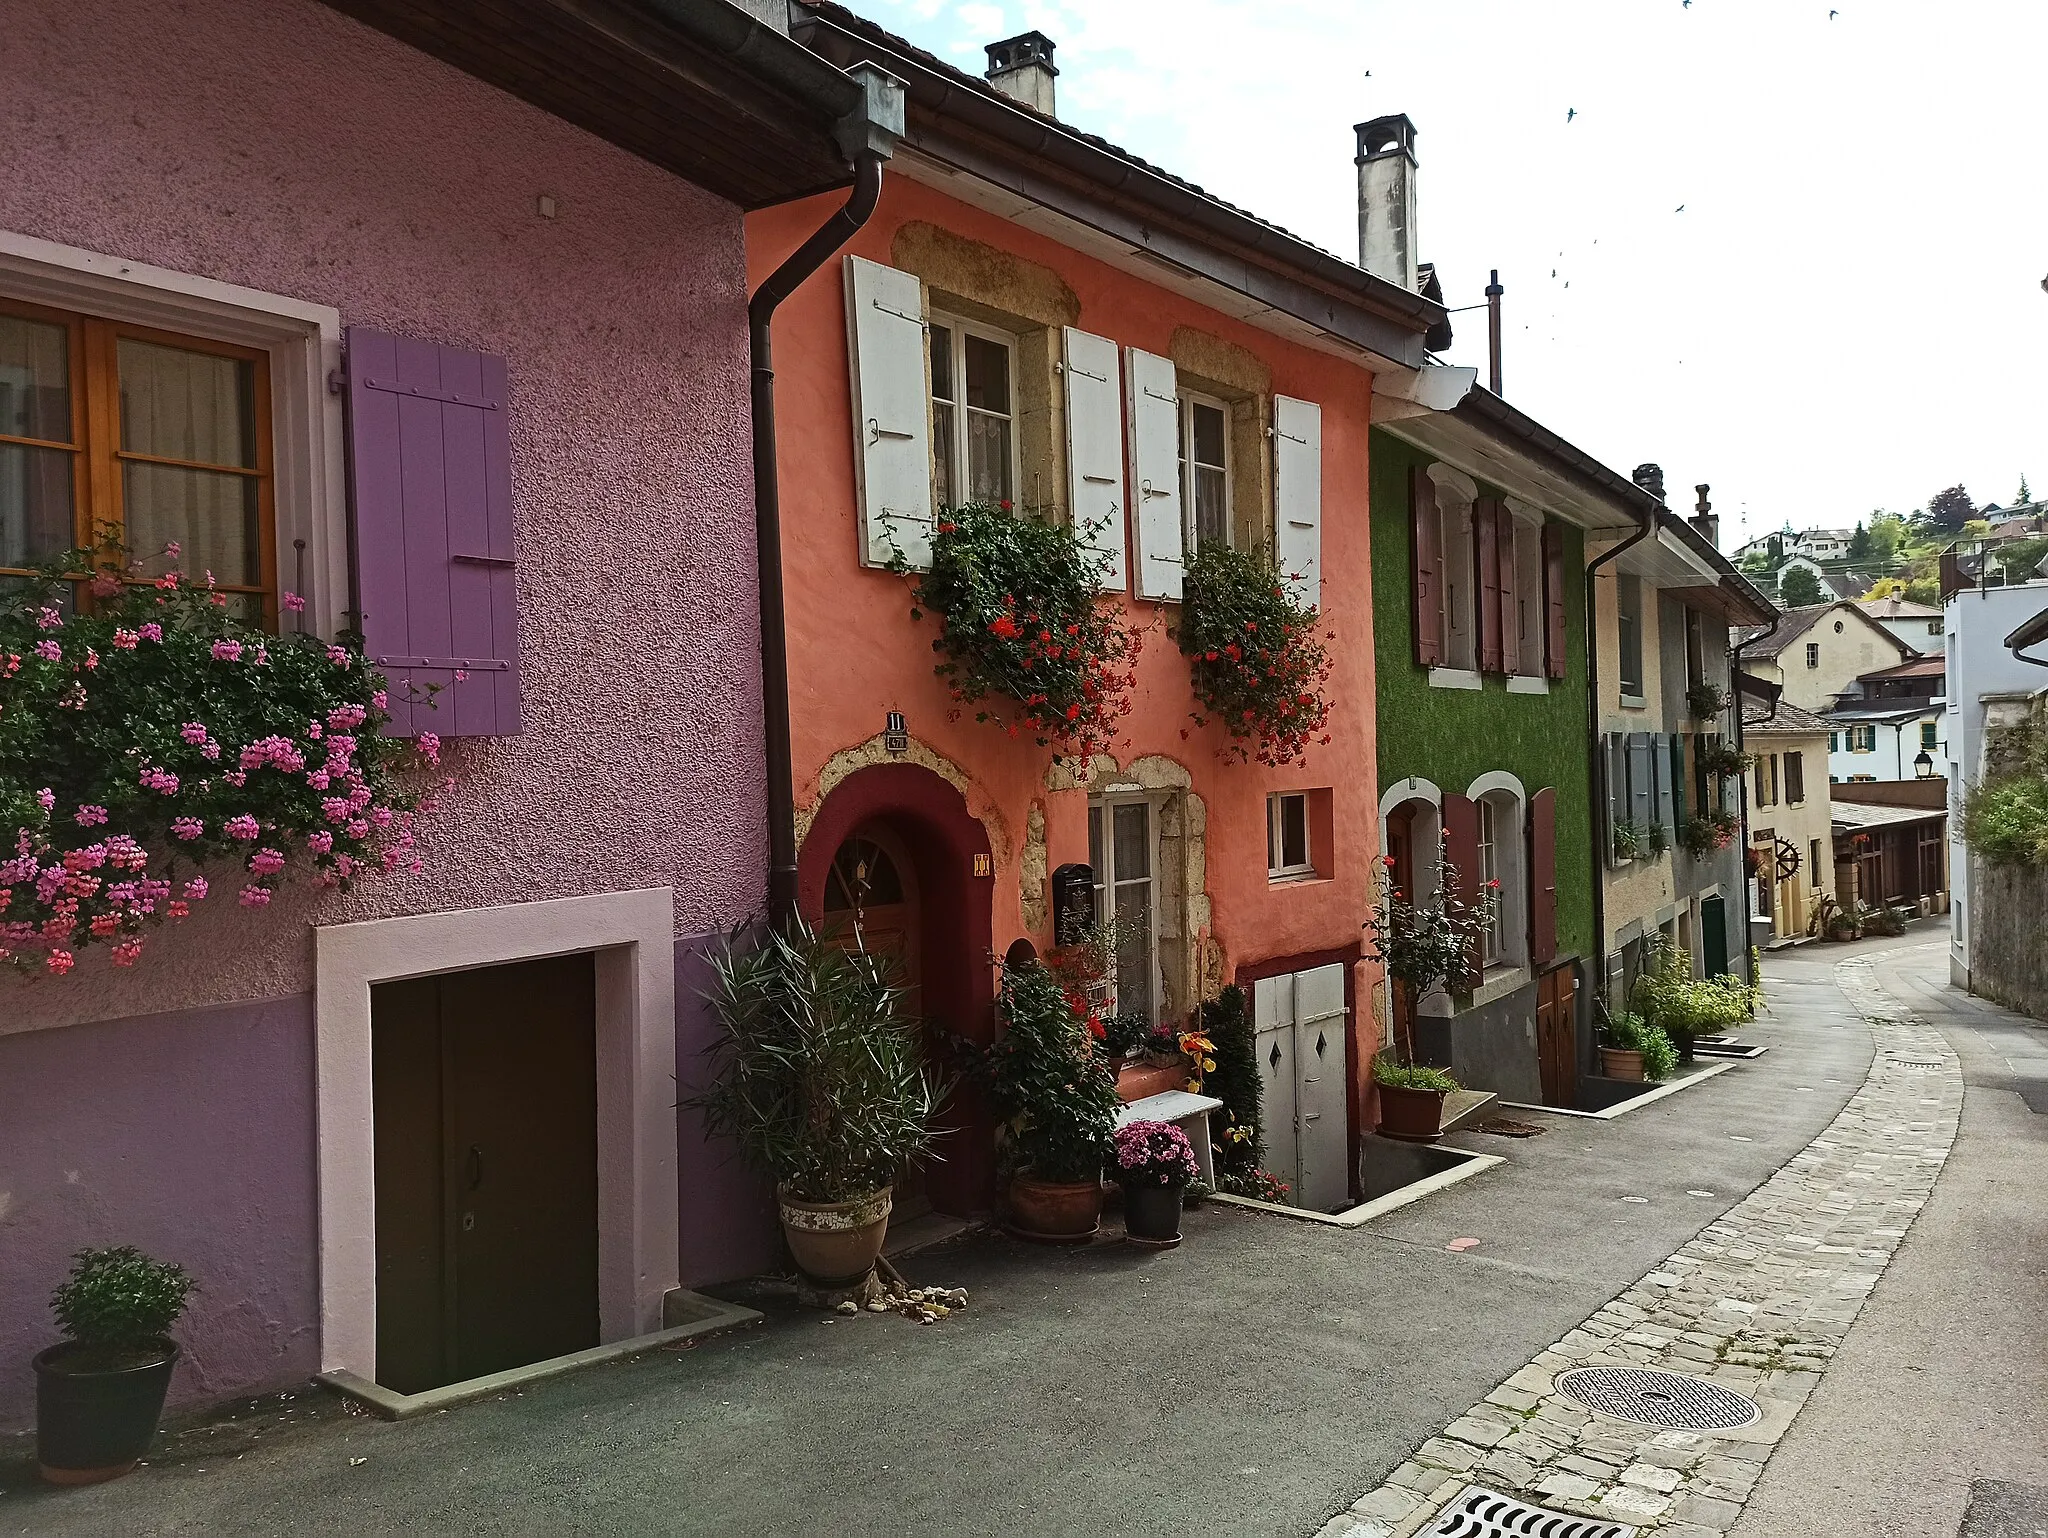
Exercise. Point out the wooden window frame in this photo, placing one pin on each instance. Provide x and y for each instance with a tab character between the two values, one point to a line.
1628	636
1276	869
95	387
1185	400
959	328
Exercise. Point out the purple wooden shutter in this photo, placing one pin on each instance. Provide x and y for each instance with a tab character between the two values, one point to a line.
430	464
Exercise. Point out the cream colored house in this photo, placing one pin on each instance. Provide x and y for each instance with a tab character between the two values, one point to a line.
1791	849
1819	652
1663	608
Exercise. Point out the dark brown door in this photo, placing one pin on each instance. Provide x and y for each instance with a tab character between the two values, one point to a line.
871	905
1557	1049
485	1087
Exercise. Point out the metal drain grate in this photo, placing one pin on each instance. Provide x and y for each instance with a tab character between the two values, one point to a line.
1914	1062
1652	1398
1476	1512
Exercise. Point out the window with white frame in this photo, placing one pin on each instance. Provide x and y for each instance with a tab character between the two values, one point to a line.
974	423
1628	626
1205	468
1501	883
1287	837
1121	851
1527	641
1460	637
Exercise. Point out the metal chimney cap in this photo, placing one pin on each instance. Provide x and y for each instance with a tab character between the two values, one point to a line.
1393	134
1651	478
1016	52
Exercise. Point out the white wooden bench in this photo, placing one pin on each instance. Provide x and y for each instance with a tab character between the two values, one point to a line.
1185	1110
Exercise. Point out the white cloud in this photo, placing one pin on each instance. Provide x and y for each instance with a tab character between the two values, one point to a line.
1848	312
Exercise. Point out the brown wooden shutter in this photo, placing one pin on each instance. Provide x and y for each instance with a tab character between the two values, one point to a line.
1510	599
1542	877
1426	568
1461	848
1487	517
1553	600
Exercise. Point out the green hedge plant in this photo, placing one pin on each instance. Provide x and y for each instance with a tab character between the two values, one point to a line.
118	1305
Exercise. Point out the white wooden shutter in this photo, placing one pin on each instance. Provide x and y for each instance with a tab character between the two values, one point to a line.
1320	1099
1095	452
1298	494
1273	1041
891	412
1155	472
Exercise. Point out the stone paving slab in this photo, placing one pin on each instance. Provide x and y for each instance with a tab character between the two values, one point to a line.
1758	1302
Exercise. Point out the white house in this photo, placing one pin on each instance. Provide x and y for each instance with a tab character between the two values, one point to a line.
1919	625
1987	684
1891	724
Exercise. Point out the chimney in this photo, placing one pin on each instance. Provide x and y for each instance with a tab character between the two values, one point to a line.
1651	479
1704	520
1021	68
1386	199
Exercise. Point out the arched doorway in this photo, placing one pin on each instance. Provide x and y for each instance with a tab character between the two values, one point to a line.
896	846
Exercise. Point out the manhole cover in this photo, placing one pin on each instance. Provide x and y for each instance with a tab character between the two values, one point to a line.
1476	1512
1652	1398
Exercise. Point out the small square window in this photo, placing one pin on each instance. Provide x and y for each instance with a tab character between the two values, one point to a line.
1287	836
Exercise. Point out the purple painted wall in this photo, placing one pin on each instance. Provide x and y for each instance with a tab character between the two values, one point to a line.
279	145
728	1227
191	1136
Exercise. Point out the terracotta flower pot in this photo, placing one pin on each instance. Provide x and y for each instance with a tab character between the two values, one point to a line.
1412	1115
1618	1063
1055	1212
1152	1214
92	1424
836	1243
1134	1081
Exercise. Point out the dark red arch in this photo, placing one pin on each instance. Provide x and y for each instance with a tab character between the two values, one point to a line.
956	945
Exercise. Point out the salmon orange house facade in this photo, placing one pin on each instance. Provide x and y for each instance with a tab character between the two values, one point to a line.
1032	317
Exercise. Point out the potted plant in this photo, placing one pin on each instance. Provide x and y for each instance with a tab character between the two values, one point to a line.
1627	840
1705	701
822	1080
1723	759
1411	1100
1424	945
1656	838
1057	1099
100	1392
1669	998
1154	1162
1633	1049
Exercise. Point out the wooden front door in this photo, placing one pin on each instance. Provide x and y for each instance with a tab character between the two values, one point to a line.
1557	1037
485	1087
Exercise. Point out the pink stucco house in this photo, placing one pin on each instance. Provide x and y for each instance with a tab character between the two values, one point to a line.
471	296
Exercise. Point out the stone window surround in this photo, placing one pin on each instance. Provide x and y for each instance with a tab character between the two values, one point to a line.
304	345
633	937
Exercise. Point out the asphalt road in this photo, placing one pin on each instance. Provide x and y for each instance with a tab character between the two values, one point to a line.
1933	1419
1254	1381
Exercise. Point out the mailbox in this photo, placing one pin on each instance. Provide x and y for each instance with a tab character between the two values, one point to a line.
1073	903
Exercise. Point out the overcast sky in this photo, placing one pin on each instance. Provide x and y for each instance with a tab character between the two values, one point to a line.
1795	257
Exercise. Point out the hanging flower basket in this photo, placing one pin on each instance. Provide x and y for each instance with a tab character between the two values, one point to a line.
154	736
1026	636
1255	661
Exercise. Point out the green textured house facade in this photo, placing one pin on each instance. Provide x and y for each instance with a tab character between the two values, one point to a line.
1481	527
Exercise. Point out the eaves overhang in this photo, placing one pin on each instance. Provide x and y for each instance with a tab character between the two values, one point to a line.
971	142
697	87
1495	442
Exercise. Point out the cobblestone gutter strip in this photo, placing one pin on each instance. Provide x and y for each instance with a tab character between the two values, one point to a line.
1759	1301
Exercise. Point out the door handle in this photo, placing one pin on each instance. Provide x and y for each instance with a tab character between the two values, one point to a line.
476	1166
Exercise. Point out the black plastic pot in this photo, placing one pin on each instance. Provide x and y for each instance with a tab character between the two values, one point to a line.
1152	1213
92	1424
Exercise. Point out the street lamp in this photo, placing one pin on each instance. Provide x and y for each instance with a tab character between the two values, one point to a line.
1923	765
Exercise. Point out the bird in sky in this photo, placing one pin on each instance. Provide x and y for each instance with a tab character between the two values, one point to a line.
1833	14
1570	113
1679	210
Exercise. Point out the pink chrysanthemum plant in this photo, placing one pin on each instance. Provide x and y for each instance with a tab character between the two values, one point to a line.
148	737
1154	1153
